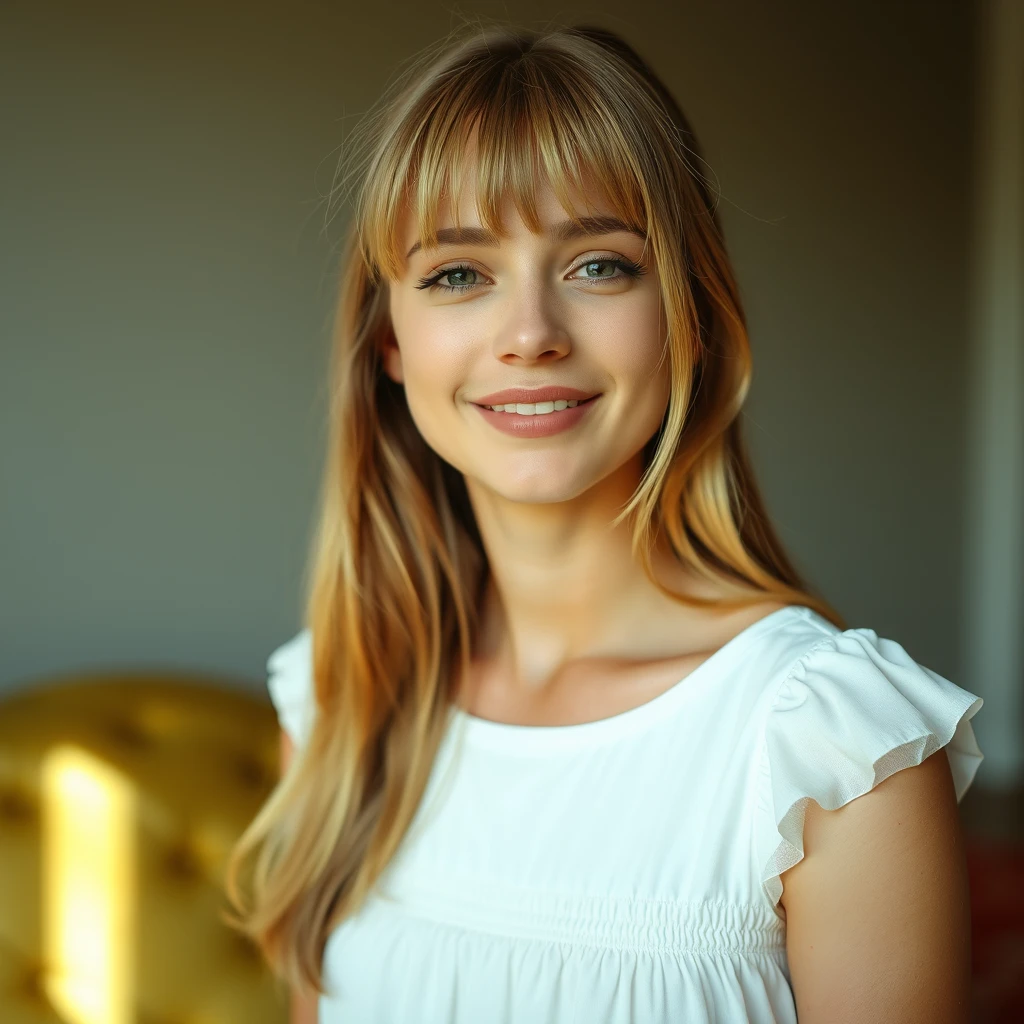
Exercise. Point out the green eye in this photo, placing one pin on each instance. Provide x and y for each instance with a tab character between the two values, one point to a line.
433	283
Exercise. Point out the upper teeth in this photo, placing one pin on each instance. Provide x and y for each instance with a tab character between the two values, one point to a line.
534	408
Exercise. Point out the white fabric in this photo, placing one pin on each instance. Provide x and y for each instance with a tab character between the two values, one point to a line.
627	870
290	682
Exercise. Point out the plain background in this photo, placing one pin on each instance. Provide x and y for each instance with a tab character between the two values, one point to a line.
168	278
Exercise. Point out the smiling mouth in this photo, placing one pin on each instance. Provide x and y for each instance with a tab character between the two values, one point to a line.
538	408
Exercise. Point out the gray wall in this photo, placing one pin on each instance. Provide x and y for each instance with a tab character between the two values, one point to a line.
167	281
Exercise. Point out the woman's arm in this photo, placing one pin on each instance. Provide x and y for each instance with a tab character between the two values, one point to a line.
878	911
304	1009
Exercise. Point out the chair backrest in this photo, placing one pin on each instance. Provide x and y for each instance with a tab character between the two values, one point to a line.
120	797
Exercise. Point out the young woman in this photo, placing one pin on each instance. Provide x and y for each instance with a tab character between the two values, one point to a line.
567	738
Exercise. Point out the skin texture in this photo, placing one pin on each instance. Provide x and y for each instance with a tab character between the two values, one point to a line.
878	913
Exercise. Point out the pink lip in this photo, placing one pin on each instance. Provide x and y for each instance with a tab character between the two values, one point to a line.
527	396
537	426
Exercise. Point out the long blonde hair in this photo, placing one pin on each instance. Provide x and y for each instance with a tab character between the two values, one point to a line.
396	566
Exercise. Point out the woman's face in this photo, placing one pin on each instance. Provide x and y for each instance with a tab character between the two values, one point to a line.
478	316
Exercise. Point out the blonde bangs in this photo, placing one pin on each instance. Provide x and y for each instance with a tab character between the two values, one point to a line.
518	125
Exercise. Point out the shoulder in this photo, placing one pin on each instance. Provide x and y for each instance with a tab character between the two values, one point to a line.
855	695
851	710
290	684
865	755
771	645
293	653
819	672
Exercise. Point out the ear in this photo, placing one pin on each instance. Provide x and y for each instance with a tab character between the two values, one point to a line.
391	357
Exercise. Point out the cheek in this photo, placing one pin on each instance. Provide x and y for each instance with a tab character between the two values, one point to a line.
634	351
436	363
638	358
436	360
434	350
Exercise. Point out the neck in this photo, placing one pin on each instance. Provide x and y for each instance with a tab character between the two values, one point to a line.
564	586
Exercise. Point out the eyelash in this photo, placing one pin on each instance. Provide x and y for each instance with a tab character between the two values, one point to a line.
628	267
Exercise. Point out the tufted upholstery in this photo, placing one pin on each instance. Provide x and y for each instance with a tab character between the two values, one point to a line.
197	759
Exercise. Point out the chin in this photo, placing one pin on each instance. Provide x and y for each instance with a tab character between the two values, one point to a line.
547	490
550	496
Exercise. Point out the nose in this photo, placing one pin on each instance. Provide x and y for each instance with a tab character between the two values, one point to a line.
530	331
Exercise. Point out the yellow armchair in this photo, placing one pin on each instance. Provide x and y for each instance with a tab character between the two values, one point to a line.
120	797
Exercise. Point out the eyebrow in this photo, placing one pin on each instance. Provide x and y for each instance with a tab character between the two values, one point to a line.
563	231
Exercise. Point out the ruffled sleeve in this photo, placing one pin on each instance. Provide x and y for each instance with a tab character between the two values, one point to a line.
290	682
855	709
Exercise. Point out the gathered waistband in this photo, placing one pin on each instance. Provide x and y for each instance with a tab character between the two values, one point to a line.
616	922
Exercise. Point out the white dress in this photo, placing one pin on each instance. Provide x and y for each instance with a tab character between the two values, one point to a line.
627	869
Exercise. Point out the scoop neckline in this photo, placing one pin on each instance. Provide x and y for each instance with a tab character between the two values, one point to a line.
508	736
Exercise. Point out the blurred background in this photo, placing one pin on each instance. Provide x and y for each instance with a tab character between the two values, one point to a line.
167	277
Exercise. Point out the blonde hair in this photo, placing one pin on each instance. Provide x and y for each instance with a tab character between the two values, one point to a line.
396	567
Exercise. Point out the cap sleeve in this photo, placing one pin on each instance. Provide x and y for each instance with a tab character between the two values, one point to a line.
290	683
855	709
